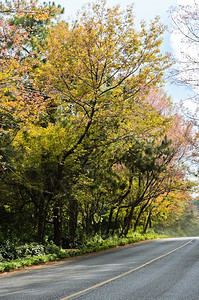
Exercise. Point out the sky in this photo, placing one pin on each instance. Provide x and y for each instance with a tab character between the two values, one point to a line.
145	10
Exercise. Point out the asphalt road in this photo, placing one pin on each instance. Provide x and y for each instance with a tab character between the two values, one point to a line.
160	269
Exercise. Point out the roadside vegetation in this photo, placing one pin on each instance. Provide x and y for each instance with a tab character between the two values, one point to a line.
93	153
14	256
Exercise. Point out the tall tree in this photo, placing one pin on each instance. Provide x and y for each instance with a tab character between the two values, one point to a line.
81	93
186	45
23	26
185	21
98	70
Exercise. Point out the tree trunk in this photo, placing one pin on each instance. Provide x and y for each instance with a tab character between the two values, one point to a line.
140	213
110	220
41	222
147	222
72	212
57	223
115	223
138	219
128	221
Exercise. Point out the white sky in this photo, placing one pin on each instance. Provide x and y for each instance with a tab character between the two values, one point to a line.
186	2
144	9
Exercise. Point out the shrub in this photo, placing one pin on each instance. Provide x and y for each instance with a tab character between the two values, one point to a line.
32	249
50	248
13	257
8	250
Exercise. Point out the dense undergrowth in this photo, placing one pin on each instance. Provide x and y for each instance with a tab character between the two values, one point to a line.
14	256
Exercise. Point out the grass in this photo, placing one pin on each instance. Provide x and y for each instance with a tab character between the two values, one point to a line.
94	244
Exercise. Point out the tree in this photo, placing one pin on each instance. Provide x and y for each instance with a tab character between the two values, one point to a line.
98	70
23	26
185	38
164	159
186	27
185	20
167	209
90	147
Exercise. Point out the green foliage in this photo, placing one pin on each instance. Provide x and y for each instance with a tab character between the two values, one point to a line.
32	249
98	243
8	250
33	254
51	248
83	150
